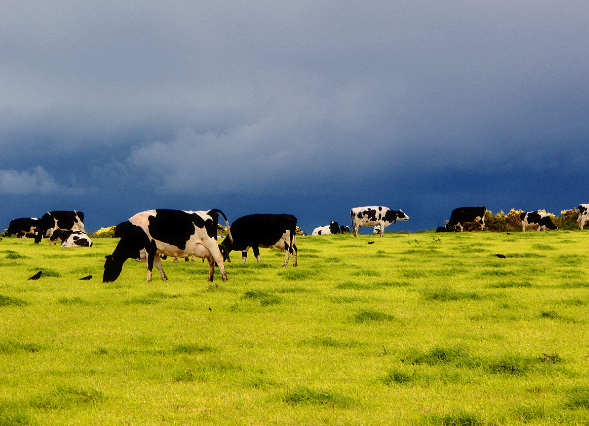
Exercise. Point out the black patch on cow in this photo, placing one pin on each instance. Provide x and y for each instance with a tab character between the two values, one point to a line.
391	216
582	209
174	226
334	227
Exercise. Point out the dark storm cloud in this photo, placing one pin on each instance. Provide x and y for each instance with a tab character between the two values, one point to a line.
300	98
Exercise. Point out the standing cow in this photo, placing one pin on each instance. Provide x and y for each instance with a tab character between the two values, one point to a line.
169	232
24	227
583	215
375	216
463	215
262	230
541	219
65	220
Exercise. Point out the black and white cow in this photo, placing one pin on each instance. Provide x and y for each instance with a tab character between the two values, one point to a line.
262	230
332	228
71	238
24	227
343	229
541	219
463	215
373	216
583	217
175	233
69	220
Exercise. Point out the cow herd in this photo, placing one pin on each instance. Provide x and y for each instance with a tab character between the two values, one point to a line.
150	235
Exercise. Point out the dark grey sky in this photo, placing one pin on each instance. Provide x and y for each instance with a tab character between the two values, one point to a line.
305	107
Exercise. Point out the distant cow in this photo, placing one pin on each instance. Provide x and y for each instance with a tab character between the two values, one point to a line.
169	232
343	229
71	238
262	230
541	219
583	215
463	215
332	228
24	227
64	220
373	216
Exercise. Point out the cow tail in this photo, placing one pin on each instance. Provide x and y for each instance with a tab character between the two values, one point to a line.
226	222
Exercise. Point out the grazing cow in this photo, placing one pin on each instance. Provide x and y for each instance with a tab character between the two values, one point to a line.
583	215
262	230
176	233
373	216
71	238
23	227
332	228
64	220
541	219
463	215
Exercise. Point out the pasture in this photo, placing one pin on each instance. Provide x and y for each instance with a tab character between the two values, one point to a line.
412	329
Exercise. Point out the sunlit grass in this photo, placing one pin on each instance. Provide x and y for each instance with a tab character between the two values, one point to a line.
423	329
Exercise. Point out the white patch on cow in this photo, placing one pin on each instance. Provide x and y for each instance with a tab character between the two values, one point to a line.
321	230
583	215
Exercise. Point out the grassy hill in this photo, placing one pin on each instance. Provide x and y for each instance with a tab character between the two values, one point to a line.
424	329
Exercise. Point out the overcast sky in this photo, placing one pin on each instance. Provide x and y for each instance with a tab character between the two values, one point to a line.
302	107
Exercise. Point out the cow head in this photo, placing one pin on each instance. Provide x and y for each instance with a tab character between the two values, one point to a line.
334	227
225	248
112	269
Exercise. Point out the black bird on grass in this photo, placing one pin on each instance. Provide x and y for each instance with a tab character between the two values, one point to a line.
36	276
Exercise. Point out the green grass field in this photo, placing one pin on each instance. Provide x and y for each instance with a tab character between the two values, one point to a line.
418	329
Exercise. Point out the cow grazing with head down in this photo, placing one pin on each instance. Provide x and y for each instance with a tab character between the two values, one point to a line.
373	216
175	233
583	215
463	215
71	238
332	228
64	220
24	227
262	230
541	219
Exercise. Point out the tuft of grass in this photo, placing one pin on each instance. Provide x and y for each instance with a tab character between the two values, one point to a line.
66	397
191	349
372	316
13	415
577	398
304	395
512	365
11	254
11	301
69	301
455	419
263	297
297	273
447	294
438	355
12	346
398	377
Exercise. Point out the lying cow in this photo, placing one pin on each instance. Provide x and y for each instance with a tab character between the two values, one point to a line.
63	220
262	230
23	227
71	238
541	219
583	215
332	228
375	216
463	215
175	233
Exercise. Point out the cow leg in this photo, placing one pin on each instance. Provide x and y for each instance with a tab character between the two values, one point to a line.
158	264
381	229
213	248
356	228
288	250
211	268
256	250
243	257
150	255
